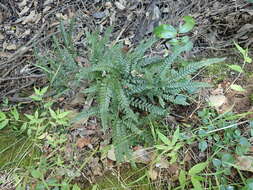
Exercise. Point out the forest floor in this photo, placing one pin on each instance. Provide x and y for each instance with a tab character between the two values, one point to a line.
87	158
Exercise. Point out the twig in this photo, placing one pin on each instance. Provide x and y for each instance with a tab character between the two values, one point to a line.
4	7
227	127
21	77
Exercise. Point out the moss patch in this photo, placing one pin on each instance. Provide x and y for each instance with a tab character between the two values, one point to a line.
135	179
15	150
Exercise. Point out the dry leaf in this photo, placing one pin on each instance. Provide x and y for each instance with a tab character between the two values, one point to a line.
1	36
61	16
82	142
11	47
22	3
217	100
162	163
119	5
111	154
4	54
245	163
78	100
108	5
153	174
218	91
32	17
24	11
48	2
142	156
27	32
47	8
79	123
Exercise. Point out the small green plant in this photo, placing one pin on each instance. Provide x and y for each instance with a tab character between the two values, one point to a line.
131	87
220	135
193	174
60	66
169	148
174	35
238	68
38	123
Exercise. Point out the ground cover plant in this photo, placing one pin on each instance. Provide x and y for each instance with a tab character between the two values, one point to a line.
129	113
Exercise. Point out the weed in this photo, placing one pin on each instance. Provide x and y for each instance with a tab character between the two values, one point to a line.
130	88
60	66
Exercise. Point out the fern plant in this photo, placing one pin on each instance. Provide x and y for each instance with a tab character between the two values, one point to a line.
131	86
60	66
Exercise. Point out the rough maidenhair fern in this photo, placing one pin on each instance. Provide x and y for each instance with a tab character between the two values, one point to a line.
129	86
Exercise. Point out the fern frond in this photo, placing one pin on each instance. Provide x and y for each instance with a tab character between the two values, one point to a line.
124	103
145	106
121	141
186	85
147	61
93	111
144	46
169	60
104	102
193	67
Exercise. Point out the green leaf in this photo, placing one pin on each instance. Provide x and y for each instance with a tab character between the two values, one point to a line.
85	114
216	162
237	68
161	147
197	168
188	25
43	90
202	146
30	117
4	123
2	116
36	174
63	114
248	59
240	49
163	138
52	113
75	187
196	183
237	87
182	179
165	31
36	98
175	137
227	160
15	113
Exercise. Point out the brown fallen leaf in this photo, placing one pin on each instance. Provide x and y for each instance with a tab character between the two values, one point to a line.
24	11
217	100
22	3
153	174
11	47
1	36
119	5
82	142
111	154
142	156
245	163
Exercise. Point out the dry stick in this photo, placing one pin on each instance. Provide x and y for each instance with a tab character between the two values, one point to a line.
120	34
227	127
21	77
26	47
13	67
4	7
